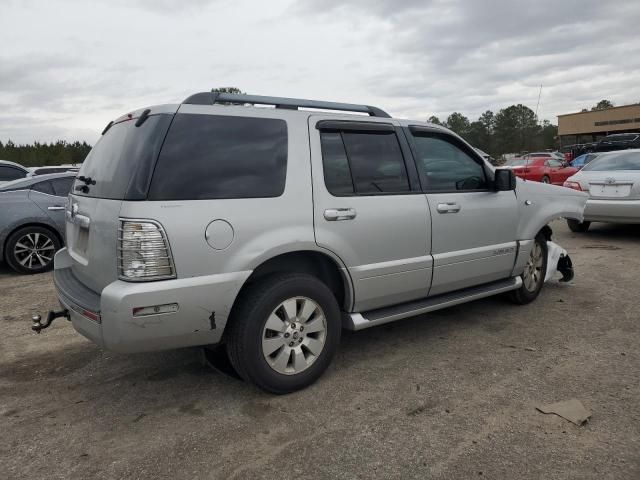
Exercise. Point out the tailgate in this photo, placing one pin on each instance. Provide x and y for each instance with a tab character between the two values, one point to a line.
92	230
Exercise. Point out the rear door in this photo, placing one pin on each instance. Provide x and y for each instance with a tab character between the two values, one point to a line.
368	209
51	197
473	227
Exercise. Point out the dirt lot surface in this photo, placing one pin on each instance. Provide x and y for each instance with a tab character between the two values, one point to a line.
451	394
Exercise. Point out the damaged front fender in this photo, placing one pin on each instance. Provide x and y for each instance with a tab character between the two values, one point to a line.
540	203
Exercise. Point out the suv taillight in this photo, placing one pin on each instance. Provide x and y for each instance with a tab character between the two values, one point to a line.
143	251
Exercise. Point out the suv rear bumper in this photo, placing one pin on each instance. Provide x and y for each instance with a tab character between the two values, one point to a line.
107	318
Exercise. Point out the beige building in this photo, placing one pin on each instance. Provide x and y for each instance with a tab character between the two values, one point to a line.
591	126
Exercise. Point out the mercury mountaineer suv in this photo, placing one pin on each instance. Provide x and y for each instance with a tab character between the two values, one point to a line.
268	230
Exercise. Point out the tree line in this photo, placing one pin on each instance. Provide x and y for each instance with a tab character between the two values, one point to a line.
41	154
513	129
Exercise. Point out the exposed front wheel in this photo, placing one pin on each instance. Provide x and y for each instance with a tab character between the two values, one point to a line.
31	249
284	332
578	227
545	179
534	272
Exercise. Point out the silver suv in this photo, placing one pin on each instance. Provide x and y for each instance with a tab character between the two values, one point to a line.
269	230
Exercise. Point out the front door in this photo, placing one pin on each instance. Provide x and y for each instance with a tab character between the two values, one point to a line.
473	227
369	210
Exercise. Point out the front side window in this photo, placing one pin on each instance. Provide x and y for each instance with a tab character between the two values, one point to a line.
215	156
363	163
554	163
445	166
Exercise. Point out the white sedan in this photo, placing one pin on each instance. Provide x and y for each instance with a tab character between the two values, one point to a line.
613	184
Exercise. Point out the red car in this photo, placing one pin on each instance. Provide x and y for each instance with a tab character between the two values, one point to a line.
541	169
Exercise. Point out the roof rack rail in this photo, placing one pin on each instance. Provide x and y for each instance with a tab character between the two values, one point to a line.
211	98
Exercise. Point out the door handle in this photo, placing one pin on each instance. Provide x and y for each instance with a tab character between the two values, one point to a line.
336	214
450	207
56	208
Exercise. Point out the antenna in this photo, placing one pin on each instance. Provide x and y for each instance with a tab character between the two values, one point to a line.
538	104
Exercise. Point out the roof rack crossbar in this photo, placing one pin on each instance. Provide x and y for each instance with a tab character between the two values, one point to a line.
211	98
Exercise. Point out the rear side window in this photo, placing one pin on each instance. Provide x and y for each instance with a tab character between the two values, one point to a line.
215	157
363	163
43	187
10	173
62	186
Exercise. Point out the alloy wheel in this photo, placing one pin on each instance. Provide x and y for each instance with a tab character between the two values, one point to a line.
34	250
532	275
294	335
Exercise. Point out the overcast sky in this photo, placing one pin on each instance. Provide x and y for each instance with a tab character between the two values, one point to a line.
67	67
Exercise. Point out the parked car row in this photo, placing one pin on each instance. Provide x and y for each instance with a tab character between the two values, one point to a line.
10	171
32	220
612	181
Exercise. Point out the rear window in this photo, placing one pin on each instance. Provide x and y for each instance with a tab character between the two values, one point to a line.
615	161
215	157
121	162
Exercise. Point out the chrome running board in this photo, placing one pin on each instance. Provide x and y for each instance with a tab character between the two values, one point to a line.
359	321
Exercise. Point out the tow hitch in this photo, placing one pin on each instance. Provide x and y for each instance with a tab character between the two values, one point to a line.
51	316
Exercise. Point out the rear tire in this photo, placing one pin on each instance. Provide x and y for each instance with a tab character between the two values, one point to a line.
283	332
31	249
534	272
578	227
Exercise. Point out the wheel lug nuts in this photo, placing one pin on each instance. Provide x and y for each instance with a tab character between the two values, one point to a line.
293	325
301	328
291	344
286	335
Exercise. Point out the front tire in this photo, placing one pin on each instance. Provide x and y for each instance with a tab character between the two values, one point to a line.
31	249
578	227
284	332
534	272
545	179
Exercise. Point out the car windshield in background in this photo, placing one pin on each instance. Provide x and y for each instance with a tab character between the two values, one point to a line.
517	162
618	161
620	138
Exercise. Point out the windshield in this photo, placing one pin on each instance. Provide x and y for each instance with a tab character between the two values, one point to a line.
517	162
623	137
121	162
615	161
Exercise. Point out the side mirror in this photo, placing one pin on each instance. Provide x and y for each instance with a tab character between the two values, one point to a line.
504	180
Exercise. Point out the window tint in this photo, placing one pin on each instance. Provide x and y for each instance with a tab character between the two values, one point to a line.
43	187
10	173
62	186
445	166
122	160
337	176
212	156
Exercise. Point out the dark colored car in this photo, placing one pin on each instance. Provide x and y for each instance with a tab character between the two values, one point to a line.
32	220
618	141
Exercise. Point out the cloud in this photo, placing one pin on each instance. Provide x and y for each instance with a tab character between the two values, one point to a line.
440	56
70	66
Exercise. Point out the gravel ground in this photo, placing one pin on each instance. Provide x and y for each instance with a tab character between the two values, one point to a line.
450	394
